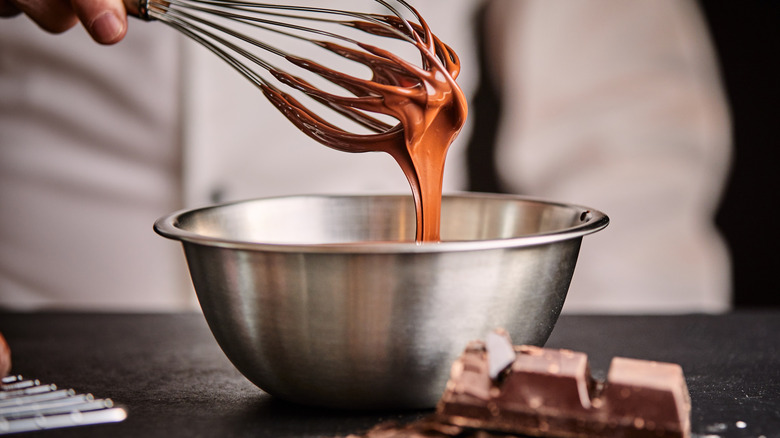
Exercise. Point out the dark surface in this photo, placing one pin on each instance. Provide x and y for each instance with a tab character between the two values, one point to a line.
174	381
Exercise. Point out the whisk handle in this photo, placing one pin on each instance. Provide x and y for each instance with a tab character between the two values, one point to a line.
138	8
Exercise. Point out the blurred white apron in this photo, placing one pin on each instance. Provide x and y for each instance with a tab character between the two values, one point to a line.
97	142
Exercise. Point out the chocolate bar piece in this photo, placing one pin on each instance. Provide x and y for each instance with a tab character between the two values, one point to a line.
546	392
499	390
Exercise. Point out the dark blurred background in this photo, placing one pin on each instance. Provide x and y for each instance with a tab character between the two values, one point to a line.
747	38
746	35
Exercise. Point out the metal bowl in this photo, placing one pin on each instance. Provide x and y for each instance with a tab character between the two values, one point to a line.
326	300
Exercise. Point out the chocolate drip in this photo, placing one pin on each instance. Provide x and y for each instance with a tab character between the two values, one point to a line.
427	102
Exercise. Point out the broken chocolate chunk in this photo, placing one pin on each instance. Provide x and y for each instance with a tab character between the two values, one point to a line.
550	392
526	390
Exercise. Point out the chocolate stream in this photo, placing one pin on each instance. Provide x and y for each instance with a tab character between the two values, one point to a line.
427	102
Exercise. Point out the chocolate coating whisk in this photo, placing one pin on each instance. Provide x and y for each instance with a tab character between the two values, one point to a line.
259	41
239	32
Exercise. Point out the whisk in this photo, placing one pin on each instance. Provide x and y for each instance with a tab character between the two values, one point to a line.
421	95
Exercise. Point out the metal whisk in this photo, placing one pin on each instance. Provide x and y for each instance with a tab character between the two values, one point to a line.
421	95
255	38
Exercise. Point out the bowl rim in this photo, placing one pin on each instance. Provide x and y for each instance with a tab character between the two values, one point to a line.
166	226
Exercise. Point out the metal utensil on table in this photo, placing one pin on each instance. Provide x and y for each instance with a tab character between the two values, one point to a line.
28	405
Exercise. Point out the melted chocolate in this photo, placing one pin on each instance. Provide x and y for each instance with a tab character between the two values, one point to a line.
427	102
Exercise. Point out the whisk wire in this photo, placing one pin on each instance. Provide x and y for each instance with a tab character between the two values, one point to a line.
180	17
229	29
224	8
223	54
262	22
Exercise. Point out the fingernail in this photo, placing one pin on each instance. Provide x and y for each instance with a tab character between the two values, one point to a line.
106	27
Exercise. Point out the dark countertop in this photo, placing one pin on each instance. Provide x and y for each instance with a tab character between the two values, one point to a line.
169	373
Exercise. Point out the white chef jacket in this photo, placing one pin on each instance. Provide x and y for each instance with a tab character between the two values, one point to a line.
615	106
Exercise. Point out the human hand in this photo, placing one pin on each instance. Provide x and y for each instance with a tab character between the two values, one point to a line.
105	20
5	357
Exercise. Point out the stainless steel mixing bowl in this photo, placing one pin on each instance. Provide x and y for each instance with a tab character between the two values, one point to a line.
326	300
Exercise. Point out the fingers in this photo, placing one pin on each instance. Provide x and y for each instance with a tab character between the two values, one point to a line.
8	9
54	16
105	20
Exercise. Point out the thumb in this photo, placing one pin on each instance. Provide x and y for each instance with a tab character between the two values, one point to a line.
105	20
